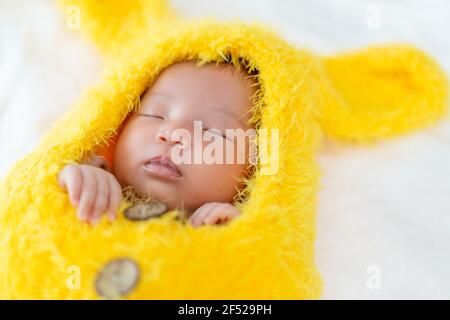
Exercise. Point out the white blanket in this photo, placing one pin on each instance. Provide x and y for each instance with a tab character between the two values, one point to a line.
384	211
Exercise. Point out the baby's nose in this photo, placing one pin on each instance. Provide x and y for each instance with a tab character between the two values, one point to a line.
164	137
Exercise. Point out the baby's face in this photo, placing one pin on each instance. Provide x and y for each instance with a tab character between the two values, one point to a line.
218	96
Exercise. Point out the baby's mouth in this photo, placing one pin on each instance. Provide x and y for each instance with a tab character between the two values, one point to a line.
162	167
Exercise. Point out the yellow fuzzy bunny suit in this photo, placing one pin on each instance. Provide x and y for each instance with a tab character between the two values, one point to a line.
268	252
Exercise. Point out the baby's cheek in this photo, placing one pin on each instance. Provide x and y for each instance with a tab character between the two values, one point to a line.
130	150
240	150
211	183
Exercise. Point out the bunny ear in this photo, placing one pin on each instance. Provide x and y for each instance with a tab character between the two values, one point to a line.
381	92
112	24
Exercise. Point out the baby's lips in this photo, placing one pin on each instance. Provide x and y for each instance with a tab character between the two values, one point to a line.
165	161
163	167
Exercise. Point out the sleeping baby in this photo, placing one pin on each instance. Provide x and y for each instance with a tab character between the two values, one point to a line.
217	96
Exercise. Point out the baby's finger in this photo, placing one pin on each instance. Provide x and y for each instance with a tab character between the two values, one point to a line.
115	197
101	201
194	219
71	178
198	216
221	213
88	194
215	215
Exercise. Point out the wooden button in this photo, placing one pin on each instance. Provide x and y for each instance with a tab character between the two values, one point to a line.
117	278
145	210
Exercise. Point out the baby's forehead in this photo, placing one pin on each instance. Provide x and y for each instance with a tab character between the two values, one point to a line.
194	65
218	85
193	71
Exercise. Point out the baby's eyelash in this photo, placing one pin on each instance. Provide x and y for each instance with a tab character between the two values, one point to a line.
215	131
152	116
157	116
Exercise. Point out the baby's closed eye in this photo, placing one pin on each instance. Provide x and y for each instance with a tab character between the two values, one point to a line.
152	115
216	132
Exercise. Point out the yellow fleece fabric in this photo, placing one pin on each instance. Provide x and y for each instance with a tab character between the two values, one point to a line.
267	252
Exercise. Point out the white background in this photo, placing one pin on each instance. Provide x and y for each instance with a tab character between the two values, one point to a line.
384	211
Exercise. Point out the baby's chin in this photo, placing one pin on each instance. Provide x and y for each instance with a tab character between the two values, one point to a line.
158	190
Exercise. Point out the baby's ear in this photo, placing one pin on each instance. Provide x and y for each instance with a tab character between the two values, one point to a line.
381	92
113	24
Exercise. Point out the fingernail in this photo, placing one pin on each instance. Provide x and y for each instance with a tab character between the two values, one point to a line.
195	224
95	220
84	217
111	216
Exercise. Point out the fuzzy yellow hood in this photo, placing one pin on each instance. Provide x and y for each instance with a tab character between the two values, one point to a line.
266	253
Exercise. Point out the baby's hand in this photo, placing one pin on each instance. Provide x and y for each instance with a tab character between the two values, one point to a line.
213	213
93	190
